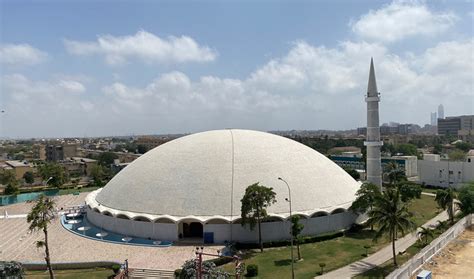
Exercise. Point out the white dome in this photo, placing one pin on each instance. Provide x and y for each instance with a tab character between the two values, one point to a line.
205	175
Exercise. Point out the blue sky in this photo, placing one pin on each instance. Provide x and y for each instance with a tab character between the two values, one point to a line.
143	67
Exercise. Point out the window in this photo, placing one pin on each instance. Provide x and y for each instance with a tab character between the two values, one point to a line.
440	173
459	174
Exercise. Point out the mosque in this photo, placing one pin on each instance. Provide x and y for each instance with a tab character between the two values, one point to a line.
191	187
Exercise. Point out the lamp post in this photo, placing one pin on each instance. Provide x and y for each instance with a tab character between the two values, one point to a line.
46	182
291	228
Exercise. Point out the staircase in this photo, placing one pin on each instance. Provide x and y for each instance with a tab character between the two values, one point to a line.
150	273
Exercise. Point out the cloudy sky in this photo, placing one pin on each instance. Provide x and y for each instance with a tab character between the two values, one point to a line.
92	68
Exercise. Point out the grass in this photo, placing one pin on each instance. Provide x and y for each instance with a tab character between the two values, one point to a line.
335	253
72	190
92	273
423	209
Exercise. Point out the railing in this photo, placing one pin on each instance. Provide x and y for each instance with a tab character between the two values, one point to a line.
414	264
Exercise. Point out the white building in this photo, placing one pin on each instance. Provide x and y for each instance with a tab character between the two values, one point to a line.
434	172
191	187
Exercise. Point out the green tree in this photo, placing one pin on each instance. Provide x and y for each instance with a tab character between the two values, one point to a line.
296	229
7	177
406	149
445	199
409	191
353	173
254	203
142	149
425	233
107	158
365	198
464	146
466	198
56	172
394	173
457	155
12	188
98	174
29	177
40	216
391	216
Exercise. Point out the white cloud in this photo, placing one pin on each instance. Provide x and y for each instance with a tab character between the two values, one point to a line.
145	46
402	19
21	55
311	87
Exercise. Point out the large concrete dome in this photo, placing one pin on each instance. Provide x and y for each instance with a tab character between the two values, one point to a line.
205	175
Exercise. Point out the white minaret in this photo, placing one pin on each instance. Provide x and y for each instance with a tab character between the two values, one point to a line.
373	143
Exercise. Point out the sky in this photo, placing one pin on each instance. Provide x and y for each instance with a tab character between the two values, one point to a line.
119	68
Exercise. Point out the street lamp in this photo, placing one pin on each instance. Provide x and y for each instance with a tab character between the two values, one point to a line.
291	228
46	182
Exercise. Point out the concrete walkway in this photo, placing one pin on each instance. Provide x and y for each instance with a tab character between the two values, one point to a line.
382	255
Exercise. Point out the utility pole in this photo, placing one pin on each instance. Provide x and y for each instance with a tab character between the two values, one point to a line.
291	229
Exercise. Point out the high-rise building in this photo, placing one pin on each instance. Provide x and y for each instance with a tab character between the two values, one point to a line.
434	119
441	111
373	142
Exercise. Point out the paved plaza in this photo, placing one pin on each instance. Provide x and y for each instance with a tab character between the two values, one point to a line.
17	243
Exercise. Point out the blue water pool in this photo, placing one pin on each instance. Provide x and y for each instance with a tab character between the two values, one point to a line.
92	231
6	200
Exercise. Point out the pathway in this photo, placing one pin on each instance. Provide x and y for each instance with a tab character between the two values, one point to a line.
382	255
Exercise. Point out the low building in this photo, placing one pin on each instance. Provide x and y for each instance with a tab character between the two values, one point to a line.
456	125
407	163
19	168
443	173
150	142
60	152
78	166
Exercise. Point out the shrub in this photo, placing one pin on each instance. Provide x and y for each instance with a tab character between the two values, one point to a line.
252	270
177	273
116	268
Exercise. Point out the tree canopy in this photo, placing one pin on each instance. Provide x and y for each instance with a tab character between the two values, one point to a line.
58	174
466	198
254	203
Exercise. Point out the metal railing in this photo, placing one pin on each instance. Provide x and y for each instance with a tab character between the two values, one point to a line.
417	261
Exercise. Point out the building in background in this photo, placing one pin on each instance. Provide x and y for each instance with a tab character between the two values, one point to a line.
56	152
456	126
442	173
150	142
434	119
78	166
409	164
19	168
441	111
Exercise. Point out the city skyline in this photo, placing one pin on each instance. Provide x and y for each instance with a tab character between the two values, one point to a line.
162	68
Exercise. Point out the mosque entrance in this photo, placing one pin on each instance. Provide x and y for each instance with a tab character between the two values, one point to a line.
193	229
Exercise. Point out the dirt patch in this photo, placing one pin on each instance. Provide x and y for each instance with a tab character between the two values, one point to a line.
456	260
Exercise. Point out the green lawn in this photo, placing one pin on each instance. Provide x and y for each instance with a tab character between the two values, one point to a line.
93	273
71	191
335	253
424	209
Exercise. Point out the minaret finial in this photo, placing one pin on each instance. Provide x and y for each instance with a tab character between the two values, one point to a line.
372	86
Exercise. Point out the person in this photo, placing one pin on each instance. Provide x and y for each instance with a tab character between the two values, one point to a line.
6	214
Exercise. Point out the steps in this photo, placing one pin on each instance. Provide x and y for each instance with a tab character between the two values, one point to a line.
150	273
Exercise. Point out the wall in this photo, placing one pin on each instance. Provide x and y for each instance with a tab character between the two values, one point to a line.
435	173
271	231
161	231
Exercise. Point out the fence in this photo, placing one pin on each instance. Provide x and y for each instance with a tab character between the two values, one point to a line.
411	266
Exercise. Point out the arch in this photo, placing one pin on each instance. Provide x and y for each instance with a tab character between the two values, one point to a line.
96	210
302	216
141	219
237	221
164	220
217	221
338	210
122	216
107	213
319	214
273	218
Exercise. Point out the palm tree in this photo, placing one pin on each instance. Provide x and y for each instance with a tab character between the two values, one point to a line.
39	217
425	233
391	216
445	200
366	196
395	173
